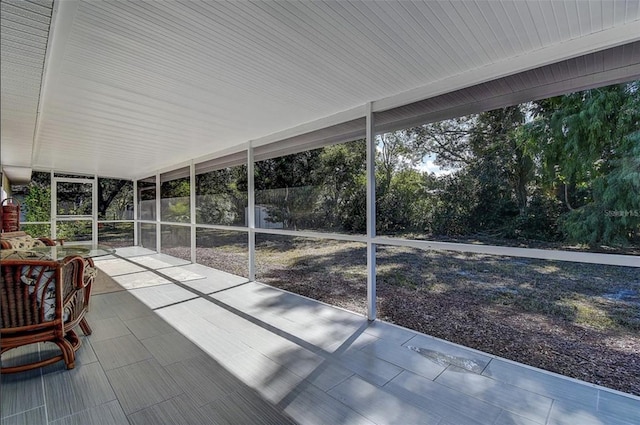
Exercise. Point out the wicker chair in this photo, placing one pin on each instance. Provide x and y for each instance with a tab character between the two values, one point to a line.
42	300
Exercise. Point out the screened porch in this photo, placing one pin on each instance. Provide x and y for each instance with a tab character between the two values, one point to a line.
333	212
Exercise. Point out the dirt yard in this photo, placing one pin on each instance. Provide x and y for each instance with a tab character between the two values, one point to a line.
578	320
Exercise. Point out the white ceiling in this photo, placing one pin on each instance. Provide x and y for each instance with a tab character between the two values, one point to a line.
133	87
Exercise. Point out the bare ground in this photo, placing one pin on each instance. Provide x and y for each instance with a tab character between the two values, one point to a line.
578	320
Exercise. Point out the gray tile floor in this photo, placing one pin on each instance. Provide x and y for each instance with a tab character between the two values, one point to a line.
215	349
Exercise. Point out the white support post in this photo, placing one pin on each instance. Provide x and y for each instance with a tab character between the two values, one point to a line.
251	209
94	210
54	214
136	223
158	225
371	215
192	202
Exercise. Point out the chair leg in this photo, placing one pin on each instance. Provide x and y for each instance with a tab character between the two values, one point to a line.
68	353
84	325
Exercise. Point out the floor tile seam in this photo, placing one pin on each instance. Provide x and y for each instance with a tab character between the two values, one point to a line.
606	415
402	342
83	410
618	393
311	384
394	377
443	417
42	383
174	303
553	402
113	337
154	404
486	366
256	392
174	330
339	382
229	288
223	396
440	374
369	379
565	379
497	381
122	274
22	412
413	370
506	408
390	394
306	384
502	407
106	371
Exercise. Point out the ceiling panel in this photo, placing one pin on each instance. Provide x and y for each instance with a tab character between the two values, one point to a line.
132	87
24	30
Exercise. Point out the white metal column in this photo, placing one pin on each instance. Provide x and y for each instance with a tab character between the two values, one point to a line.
136	223
158	225
192	203
94	210
371	216
54	201
251	213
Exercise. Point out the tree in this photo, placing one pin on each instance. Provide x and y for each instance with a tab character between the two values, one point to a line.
115	199
175	200
341	178
286	185
448	141
588	144
219	196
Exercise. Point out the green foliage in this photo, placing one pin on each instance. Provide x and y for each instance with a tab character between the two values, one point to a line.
175	200
221	196
540	220
74	230
595	158
341	179
405	206
38	203
321	189
455	201
115	199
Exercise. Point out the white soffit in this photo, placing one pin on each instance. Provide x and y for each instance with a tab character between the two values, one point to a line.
24	32
136	86
611	66
17	175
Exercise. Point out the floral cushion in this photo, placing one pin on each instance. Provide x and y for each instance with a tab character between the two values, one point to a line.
46	294
24	242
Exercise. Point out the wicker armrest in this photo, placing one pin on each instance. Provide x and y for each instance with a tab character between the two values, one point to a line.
49	241
73	270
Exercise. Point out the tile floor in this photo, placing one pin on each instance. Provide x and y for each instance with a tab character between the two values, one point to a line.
186	344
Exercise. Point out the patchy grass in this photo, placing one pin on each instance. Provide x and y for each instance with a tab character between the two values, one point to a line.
579	320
